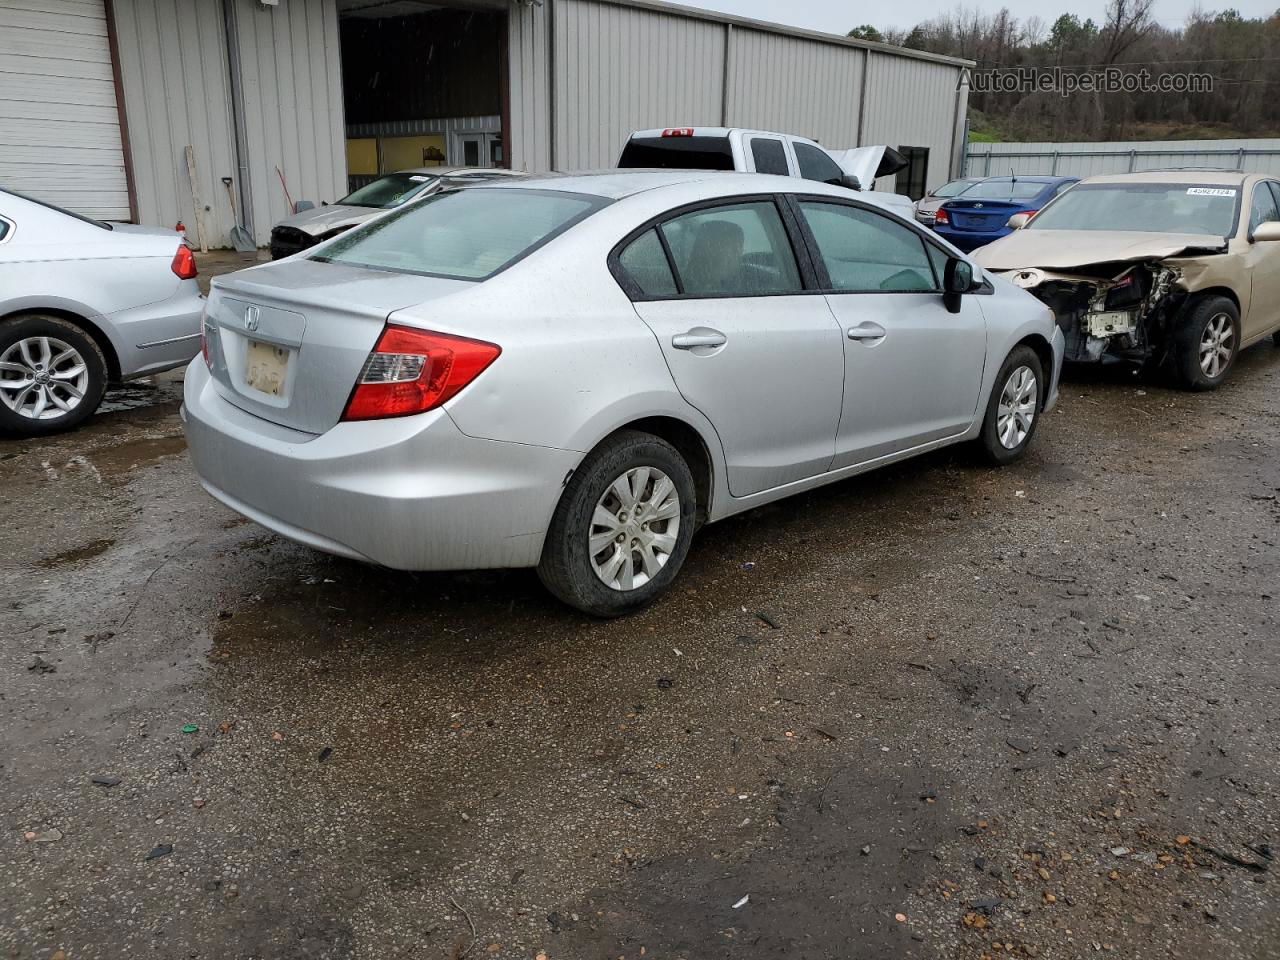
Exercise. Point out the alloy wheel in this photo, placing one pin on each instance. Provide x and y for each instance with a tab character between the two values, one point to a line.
1217	343
1017	409
42	378
634	528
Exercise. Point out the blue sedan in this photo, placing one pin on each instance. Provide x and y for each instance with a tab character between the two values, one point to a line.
982	213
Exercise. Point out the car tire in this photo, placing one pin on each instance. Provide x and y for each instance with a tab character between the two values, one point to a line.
1008	425
58	360
627	470
1275	339
1202	327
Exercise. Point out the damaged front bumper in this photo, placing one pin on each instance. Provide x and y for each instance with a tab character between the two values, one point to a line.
1121	312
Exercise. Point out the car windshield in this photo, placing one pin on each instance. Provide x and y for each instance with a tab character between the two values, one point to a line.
954	188
1005	188
466	234
1144	208
391	191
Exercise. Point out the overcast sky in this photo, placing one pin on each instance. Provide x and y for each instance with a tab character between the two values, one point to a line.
837	16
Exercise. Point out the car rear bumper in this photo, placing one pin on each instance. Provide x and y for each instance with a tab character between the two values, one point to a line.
412	493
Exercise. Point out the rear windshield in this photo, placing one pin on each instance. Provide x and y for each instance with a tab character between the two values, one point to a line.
1005	189
56	208
678	153
467	234
389	191
1143	207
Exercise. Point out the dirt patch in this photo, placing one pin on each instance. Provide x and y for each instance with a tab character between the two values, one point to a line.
86	551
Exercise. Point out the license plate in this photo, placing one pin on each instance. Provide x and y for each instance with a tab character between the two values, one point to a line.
266	367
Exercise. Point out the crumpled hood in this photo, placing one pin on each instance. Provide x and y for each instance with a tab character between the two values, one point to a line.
1066	249
320	220
869	163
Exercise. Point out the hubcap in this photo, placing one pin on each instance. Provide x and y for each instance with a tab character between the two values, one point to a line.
1217	344
42	378
1017	409
634	528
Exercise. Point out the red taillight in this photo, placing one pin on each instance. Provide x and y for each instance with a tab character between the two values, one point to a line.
941	216
184	263
412	371
1029	213
678	132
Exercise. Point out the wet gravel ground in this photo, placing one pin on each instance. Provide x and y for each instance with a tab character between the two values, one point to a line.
936	711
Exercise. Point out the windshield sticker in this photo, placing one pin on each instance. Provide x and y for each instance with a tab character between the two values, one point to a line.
420	179
1209	192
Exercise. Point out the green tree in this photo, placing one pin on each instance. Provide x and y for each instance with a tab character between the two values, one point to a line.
866	32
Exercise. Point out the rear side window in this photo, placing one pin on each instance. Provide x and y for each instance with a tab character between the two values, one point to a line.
737	250
678	153
867	253
816	164
466	234
769	156
646	264
5	227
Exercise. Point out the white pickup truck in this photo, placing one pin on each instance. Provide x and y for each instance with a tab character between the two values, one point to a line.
764	151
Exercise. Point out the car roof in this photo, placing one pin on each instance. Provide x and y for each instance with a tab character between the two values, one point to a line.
615	184
1030	179
1173	176
456	171
656	132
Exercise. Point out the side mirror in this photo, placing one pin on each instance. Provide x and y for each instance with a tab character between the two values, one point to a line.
1018	221
957	279
1266	231
850	181
303	205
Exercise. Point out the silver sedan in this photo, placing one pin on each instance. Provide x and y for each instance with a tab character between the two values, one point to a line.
83	303
574	373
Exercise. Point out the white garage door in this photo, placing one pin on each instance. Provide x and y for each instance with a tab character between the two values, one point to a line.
59	127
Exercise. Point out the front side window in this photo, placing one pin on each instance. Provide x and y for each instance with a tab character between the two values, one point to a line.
769	156
4	228
737	250
1263	208
466	234
867	253
816	164
646	264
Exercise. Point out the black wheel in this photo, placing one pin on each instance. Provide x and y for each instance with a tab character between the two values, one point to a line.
1013	409
622	528
52	375
1275	339
1205	343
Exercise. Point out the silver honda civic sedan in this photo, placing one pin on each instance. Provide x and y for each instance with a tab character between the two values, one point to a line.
574	373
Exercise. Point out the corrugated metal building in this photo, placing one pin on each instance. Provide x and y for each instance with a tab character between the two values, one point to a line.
101	99
1091	159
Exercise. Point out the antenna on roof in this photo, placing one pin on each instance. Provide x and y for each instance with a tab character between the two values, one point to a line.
1013	177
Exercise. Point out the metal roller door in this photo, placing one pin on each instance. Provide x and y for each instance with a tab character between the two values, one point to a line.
59	124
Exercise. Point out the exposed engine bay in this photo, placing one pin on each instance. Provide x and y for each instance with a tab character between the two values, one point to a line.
1124	310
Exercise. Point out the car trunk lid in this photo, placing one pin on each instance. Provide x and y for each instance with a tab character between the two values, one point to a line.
983	216
287	341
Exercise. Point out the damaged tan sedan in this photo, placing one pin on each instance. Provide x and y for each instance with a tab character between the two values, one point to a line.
1174	268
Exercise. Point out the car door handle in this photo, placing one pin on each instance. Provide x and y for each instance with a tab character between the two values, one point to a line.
866	331
687	341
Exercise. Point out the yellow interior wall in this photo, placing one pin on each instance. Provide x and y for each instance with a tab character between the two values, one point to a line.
401	153
362	156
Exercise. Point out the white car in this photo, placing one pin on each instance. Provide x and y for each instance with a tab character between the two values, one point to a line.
84	303
766	151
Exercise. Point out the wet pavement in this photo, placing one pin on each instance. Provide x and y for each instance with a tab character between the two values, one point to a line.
936	711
